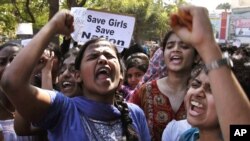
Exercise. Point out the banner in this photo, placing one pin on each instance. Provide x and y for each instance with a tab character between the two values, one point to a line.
242	31
89	24
242	27
223	27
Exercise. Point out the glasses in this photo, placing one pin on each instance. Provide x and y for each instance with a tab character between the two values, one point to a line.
70	68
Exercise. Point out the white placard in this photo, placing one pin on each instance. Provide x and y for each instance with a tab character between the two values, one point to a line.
24	29
25	42
89	24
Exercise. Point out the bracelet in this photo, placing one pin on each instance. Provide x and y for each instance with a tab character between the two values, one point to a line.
224	61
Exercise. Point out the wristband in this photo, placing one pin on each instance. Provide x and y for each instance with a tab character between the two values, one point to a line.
224	61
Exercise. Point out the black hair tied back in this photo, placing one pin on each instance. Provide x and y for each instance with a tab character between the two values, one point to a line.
128	130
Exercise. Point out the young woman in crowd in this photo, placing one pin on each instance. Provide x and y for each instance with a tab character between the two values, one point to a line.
136	66
214	100
100	113
7	53
202	114
67	80
156	69
45	74
162	99
66	84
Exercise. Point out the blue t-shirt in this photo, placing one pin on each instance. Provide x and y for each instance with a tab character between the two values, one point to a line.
190	135
64	120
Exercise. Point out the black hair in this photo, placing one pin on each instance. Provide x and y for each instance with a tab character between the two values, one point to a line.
137	60
72	52
55	48
197	70
10	44
165	39
132	49
37	80
241	70
120	103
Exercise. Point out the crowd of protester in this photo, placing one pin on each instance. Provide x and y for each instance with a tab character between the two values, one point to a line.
93	92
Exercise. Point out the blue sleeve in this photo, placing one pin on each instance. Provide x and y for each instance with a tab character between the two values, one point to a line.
59	103
139	121
190	135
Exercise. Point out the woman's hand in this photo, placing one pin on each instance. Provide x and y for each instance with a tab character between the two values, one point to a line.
62	23
201	32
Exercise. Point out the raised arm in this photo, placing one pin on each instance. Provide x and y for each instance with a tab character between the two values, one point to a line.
231	102
47	71
30	101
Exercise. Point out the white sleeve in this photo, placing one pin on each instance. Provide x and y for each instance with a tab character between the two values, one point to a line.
175	129
168	133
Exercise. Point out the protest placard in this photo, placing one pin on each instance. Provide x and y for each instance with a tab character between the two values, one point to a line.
89	24
24	29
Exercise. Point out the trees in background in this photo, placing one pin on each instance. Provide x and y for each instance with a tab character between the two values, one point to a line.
151	15
225	6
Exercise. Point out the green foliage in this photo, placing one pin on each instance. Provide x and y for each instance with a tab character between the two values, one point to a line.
10	15
224	6
152	16
7	20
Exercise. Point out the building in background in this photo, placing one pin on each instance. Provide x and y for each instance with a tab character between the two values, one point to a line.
239	3
239	27
232	26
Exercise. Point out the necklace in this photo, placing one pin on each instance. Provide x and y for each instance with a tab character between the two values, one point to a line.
6	109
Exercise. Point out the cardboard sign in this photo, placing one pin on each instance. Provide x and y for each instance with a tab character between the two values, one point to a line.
24	29
89	24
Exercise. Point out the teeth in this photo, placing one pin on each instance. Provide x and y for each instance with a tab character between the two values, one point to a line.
103	69
175	57
106	70
197	104
66	83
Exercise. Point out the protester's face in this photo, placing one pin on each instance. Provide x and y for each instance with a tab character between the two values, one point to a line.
178	55
100	70
7	54
134	75
67	80
200	103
